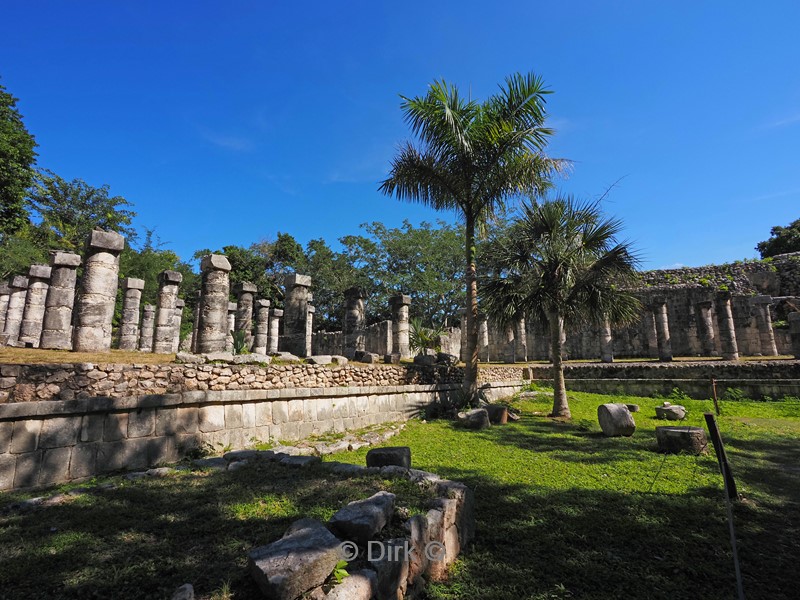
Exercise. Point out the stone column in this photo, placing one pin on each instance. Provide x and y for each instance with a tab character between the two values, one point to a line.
98	293
129	324
16	306
196	323
309	329
148	328
212	327
705	327
354	334
764	322
245	295
5	294
520	341
274	330
794	331
32	317
483	337
662	329
606	343
176	324
168	283
57	324
651	336
727	331
400	329
231	326
296	313
261	340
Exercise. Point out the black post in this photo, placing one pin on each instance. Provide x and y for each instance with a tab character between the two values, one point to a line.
722	458
714	392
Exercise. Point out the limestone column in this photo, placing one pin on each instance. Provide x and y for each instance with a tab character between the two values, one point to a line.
520	341
32	317
764	322
705	327
98	292
309	329
261	340
483	337
606	343
231	326
400	329
57	323
354	321
213	307
168	283
180	303
5	294
129	324
794	331
662	329
148	328
727	331
196	323
651	336
296	313
274	330
16	306
245	295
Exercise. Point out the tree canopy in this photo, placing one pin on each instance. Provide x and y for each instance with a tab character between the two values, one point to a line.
17	159
781	240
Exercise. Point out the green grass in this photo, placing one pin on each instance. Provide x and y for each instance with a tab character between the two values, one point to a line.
564	512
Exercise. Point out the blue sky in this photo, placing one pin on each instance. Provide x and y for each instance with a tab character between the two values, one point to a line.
226	122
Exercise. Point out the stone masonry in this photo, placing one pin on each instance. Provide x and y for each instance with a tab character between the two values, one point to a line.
38	283
57	324
213	307
129	325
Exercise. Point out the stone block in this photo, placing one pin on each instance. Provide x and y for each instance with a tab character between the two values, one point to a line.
233	416
141	423
295	410
65	259
39	271
25	437
167	277
392	455
263	413
245	287
55	466
211	418
215	262
359	585
162	450
670	412
6	430
309	410
320	359
115	427
19	282
92	428
615	420
390	561
106	240
8	463
59	432
248	415
361	520
27	469
295	279
83	462
125	454
131	283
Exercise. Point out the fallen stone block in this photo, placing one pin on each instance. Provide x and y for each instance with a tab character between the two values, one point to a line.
320	359
189	358
359	521
185	592
477	418
359	585
218	356
615	420
674	439
394	455
671	412
300	461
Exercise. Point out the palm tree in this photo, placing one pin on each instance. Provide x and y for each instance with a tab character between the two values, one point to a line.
473	157
562	265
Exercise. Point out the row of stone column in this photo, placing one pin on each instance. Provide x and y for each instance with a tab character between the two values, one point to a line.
354	326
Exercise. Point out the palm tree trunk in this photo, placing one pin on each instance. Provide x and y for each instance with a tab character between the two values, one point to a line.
470	383
560	405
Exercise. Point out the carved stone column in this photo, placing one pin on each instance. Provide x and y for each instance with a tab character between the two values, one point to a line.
261	341
16	306
296	313
33	316
168	284
727	331
245	295
129	325
662	329
705	327
148	328
213	307
354	320
274	330
766	335
400	327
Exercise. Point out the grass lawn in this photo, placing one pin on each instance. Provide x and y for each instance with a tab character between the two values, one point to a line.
562	511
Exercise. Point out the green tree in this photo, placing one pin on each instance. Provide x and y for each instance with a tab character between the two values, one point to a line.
562	264
69	210
781	240
17	158
472	158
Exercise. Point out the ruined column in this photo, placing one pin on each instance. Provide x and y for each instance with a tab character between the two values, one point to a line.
483	337
296	313
764	323
261	340
662	329
651	337
245	295
231	326
16	306
5	294
176	324
98	292
32	317
148	328
606	343
57	323
212	327
705	326
354	334
794	331
129	324
274	330
309	329
196	323
400	329
168	283
727	331
520	341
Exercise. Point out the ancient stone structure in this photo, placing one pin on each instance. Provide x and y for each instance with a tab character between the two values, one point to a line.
794	329
274	330
129	324
231	326
180	304
520	340
148	328
763	317
606	343
57	323
245	296
615	420
295	313
400	327
309	329
483	338
196	322
16	306
261	340
727	331
708	340
98	292
354	322
212	325
662	329
5	294
681	439
33	315
168	282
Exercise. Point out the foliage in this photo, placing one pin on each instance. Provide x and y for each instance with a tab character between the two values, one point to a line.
421	338
240	342
17	157
69	210
340	571
472	158
678	395
781	240
561	264
22	249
